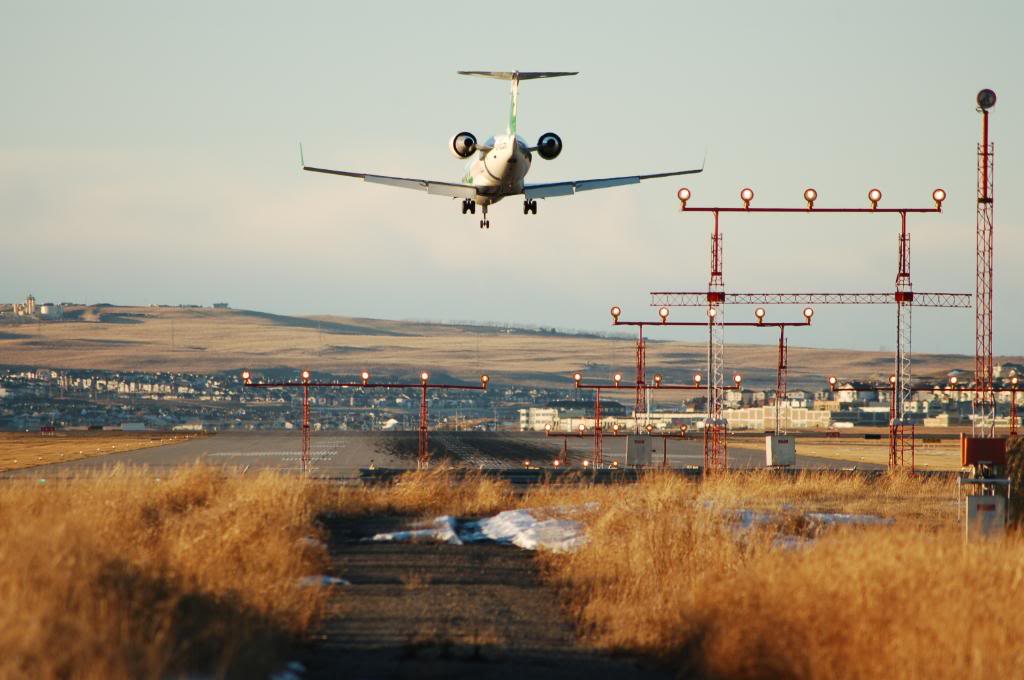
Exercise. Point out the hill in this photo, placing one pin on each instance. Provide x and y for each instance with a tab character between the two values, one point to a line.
205	340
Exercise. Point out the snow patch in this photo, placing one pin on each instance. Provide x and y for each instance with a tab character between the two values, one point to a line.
511	527
322	580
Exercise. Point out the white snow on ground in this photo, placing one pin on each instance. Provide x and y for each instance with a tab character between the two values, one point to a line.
512	527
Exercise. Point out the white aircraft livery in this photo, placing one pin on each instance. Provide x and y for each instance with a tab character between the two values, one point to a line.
501	163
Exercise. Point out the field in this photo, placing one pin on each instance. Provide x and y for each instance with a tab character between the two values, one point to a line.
852	447
23	449
125	574
211	340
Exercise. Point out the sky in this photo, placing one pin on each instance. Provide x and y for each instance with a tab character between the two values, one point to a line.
149	154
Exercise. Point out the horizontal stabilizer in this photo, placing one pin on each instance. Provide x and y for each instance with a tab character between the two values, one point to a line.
518	75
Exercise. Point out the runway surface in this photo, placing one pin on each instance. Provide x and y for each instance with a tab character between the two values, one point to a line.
342	454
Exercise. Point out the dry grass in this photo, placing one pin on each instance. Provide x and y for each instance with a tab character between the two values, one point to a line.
25	449
944	455
666	573
428	492
132	575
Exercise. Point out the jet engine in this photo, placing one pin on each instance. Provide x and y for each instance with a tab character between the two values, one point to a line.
549	146
463	144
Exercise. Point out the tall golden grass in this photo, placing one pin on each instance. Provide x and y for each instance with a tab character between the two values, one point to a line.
665	573
435	491
132	575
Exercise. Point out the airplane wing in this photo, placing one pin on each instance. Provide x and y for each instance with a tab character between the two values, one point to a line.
430	186
552	189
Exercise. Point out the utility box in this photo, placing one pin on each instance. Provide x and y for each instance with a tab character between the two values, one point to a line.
779	450
986	516
640	450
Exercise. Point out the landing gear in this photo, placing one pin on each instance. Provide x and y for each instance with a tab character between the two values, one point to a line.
468	206
529	207
485	223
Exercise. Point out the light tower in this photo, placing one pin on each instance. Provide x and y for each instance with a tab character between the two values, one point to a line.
984	400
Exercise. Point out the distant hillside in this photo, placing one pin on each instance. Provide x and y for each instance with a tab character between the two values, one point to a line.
211	340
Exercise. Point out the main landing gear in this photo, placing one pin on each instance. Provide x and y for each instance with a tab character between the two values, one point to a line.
468	206
529	207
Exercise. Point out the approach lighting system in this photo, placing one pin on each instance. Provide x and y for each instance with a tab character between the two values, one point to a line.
555	462
892	380
810	195
616	312
712	312
874	196
424	377
484	379
696	378
657	379
586	463
615	428
808	313
737	379
683	195
663	313
547	428
832	382
1014	380
953	381
305	375
939	195
759	313
747	195
577	378
649	428
582	428
365	377
617	378
246	376
986	99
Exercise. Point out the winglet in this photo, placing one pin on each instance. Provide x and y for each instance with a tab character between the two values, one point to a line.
302	157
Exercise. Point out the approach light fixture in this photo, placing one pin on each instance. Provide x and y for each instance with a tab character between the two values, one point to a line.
615	428
649	428
737	379
953	381
712	312
810	195
484	379
365	375
547	428
874	196
683	195
246	376
305	375
663	313
586	463
759	313
1014	380
424	377
577	378
808	313
582	428
555	463
747	195
617	378
657	379
986	99
832	381
939	195
682	429
892	380
616	311
697	378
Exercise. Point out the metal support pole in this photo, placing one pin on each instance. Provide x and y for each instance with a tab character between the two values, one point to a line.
640	407
715	428
305	428
598	442
780	378
901	431
424	438
984	401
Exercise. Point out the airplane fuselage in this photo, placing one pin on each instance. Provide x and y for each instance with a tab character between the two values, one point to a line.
501	171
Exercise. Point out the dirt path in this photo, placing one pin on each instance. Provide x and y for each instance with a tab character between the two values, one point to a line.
441	611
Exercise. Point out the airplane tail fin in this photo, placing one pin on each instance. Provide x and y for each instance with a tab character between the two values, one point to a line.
515	77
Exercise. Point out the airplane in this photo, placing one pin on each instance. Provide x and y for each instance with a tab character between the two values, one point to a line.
501	162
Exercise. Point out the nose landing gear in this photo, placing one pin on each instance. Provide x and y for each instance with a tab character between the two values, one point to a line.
529	206
485	223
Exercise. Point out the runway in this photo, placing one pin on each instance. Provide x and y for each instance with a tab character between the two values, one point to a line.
342	454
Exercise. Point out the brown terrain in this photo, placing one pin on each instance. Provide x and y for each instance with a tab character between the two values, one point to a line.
210	340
